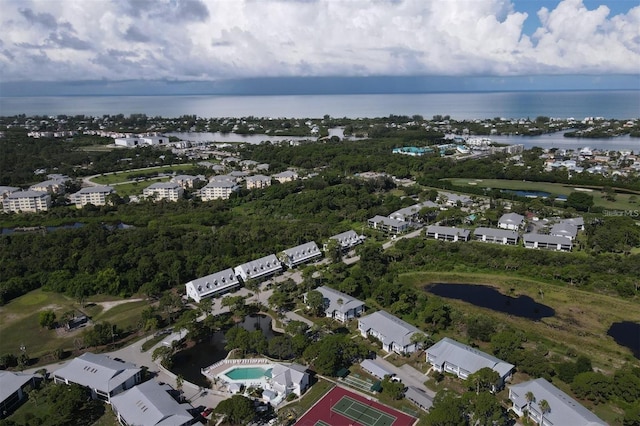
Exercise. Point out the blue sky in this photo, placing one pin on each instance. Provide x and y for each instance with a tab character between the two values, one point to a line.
501	43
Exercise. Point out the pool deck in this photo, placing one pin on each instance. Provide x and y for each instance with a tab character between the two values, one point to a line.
214	370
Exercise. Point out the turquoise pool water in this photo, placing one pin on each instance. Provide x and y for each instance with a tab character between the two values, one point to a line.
248	373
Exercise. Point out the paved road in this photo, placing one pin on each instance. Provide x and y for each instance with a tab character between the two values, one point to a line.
349	260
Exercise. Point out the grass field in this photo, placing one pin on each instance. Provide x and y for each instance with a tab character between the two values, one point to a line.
581	319
111	178
136	188
19	321
621	203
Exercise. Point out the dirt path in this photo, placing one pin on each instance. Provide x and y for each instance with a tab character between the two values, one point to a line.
109	305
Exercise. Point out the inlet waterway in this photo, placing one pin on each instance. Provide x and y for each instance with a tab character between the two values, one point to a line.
488	297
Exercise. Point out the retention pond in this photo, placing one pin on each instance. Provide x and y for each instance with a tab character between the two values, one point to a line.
488	297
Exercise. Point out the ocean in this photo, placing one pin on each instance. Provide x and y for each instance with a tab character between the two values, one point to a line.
459	106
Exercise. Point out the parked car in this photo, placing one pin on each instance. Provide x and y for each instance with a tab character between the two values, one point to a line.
206	412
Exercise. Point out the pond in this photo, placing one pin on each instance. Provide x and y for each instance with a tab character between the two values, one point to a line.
627	334
189	362
532	194
489	297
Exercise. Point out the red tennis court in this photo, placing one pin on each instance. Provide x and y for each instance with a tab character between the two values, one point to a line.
339	407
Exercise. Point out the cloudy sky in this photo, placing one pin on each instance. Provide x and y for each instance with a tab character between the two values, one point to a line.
213	40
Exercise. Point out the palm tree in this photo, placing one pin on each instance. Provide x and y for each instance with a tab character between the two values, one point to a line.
544	408
530	397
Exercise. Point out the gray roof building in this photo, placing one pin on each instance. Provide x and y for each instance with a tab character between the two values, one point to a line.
339	305
564	229
105	377
212	285
564	410
576	221
408	213
12	390
419	397
300	254
394	333
375	369
550	242
447	233
462	360
511	221
492	235
150	404
387	224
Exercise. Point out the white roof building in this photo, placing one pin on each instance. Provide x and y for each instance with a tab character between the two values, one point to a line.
150	404
563	410
171	191
300	254
348	239
258	181
105	377
218	190
394	333
286	176
288	378
263	267
212	285
96	195
512	221
26	202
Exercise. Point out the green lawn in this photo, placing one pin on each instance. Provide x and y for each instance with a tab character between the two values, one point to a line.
621	203
109	179
19	321
581	319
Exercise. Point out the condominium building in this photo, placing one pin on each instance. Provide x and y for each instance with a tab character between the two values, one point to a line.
164	191
26	201
96	195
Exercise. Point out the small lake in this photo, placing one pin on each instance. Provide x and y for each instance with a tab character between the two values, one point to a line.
189	362
627	334
489	297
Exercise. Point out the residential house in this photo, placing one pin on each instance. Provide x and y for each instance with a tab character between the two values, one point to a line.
499	236
288	378
394	333
218	190
338	305
258	181
450	199
6	190
286	176
187	181
450	356
419	398
96	195
52	186
389	225
300	254
578	222
260	268
551	242
563	410
105	377
212	285
564	229
447	233
164	191
151	403
513	221
248	164
26	202
13	387
410	214
347	240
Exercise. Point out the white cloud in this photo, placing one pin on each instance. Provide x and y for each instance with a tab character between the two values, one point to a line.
213	39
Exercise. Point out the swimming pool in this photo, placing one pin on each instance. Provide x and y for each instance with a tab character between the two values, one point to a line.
248	373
